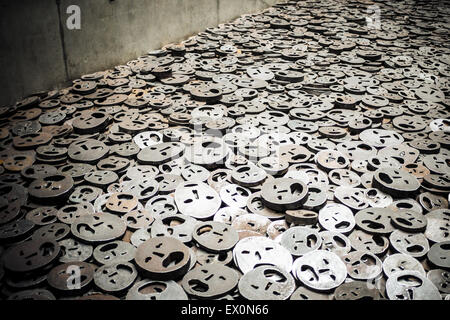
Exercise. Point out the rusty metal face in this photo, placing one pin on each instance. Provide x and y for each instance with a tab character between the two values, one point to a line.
69	213
42	216
51	189
438	254
284	194
163	258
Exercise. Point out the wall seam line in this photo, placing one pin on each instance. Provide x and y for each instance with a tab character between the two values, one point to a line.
63	43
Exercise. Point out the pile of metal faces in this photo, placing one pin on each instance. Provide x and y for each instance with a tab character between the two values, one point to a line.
298	153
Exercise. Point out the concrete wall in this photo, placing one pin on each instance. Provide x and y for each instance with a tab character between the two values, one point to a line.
38	51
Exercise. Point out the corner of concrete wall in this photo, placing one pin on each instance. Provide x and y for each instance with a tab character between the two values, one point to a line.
39	52
31	56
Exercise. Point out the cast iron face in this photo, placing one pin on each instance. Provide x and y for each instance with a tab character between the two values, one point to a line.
163	258
284	194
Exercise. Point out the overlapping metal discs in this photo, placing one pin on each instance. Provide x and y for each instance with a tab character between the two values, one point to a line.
298	153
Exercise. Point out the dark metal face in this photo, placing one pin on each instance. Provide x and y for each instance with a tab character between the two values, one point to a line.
284	194
114	252
214	236
438	254
69	213
113	163
101	227
210	281
76	170
395	182
101	178
87	151
163	258
33	294
248	175
160	153
42	216
90	122
204	257
35	171
56	231
33	255
16	230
